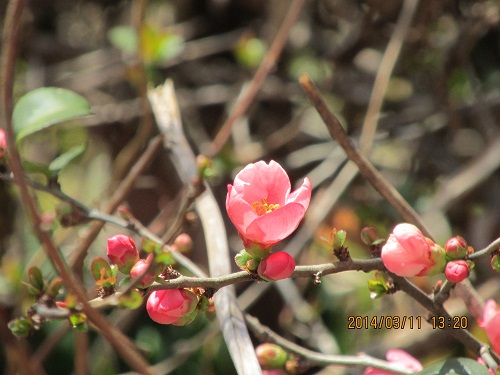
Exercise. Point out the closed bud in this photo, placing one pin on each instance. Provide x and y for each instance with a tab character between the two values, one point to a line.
172	306
3	143
456	248
495	262
271	356
457	270
183	243
122	252
140	267
276	266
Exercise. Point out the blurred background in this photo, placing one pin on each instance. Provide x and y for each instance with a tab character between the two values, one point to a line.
437	140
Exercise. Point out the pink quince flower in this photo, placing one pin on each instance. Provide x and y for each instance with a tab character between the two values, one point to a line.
260	204
172	306
122	252
491	323
3	142
457	270
408	252
401	359
276	266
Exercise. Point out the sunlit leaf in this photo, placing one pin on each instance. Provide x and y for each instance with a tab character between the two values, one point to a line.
63	160
44	107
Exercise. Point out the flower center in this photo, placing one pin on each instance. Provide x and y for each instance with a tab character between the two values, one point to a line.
264	207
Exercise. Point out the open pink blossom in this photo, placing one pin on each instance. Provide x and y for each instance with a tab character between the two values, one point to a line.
3	142
491	323
172	306
408	252
401	359
122	252
260	204
276	266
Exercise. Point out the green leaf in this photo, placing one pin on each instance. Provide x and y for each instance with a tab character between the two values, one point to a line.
165	258
20	327
132	300
63	160
44	107
124	38
35	279
31	167
100	269
456	366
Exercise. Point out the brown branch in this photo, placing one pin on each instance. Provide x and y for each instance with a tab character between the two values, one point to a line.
373	176
269	61
10	40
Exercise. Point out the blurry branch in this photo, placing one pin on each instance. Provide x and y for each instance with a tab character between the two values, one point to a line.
453	187
311	358
373	176
247	97
384	74
130	152
118	340
399	203
119	194
166	110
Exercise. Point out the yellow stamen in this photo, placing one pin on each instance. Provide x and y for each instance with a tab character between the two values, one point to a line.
264	207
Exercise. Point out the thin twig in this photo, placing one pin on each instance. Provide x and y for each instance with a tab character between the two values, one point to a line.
312	358
10	40
365	167
384	74
265	67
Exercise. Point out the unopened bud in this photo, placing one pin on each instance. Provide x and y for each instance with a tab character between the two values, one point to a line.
271	356
3	143
183	243
276	266
495	262
122	252
456	248
457	270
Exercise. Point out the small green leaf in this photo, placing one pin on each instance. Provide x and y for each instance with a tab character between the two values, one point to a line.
169	46
20	327
165	258
29	166
100	269
55	286
35	279
79	322
151	247
63	160
131	301
456	366
44	107
377	289
124	38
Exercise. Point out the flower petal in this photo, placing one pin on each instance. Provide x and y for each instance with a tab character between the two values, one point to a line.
260	180
302	195
271	228
238	210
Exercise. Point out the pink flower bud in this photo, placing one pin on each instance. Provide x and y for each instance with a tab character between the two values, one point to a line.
408	252
122	252
491	323
183	243
261	207
140	267
457	270
456	248
271	356
3	143
276	266
172	306
401	359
